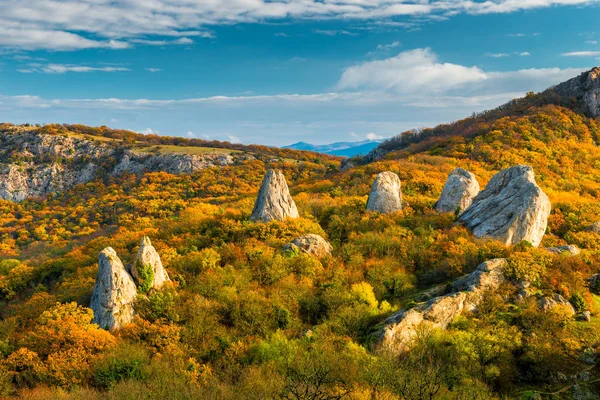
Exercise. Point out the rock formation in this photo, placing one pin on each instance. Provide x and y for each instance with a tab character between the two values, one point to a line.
114	292
311	244
571	249
467	292
586	89
274	201
458	193
595	227
40	172
548	304
147	269
512	208
385	196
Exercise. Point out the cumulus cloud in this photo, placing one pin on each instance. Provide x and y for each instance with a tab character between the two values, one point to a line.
409	72
420	74
117	24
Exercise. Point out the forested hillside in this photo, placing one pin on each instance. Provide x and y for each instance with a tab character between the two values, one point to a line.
246	317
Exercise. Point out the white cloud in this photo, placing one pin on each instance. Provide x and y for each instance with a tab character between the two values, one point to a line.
190	134
415	78
525	54
149	131
64	68
496	55
409	72
334	32
115	24
594	42
234	139
373	136
582	54
153	69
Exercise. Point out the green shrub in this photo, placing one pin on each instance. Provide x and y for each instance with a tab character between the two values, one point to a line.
123	362
145	277
578	302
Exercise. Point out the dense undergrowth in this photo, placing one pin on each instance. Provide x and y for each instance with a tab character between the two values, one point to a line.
244	319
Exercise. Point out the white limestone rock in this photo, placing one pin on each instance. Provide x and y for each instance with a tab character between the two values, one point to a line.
274	201
467	293
114	292
311	244
458	193
512	208
385	196
147	257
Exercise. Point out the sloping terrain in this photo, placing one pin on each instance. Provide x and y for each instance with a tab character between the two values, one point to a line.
246	318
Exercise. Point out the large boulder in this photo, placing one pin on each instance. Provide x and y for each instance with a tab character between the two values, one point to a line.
274	201
466	294
548	304
114	292
147	269
311	244
512	208
458	193
569	249
385	196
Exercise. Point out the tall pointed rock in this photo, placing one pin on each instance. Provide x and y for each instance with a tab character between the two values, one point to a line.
147	269
512	208
458	193
274	201
385	196
114	292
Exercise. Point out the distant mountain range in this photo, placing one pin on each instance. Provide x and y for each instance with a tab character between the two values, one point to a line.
342	149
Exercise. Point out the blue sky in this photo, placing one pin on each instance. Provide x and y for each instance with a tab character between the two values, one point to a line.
278	72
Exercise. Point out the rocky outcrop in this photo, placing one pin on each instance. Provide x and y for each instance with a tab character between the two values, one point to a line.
114	292
385	196
595	227
466	294
138	162
147	269
311	244
35	164
548	304
570	249
586	89
274	201
458	193
512	208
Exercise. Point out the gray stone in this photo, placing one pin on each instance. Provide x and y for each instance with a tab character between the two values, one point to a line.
548	304
147	256
586	89
274	201
466	294
570	249
586	316
385	196
114	292
595	227
458	193
512	208
311	244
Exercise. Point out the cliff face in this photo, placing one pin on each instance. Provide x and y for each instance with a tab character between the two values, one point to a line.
34	164
586	89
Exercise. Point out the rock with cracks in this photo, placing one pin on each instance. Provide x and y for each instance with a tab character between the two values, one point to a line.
385	196
512	208
114	292
274	201
311	244
466	294
147	265
458	193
